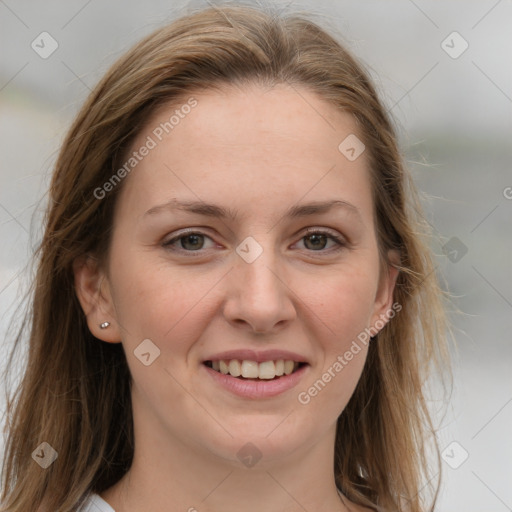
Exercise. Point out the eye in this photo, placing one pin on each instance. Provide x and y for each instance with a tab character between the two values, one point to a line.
190	241
316	240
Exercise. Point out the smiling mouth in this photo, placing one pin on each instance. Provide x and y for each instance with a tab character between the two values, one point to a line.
252	370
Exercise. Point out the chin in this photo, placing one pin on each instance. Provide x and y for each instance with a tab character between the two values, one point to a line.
263	441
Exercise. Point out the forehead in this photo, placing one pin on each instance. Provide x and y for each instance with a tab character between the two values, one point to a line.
250	147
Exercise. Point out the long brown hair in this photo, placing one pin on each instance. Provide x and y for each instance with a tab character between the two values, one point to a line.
75	392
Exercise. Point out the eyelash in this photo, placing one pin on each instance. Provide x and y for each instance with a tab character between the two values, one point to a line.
340	242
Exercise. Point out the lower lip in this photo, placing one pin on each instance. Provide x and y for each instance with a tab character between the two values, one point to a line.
257	388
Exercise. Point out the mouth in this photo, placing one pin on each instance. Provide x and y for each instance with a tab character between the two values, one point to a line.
249	370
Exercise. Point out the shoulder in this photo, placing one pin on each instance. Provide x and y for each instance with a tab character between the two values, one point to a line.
95	503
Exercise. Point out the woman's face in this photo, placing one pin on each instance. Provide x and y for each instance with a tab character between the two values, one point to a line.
247	285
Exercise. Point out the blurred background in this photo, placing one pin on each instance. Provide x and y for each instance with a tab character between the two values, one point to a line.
443	71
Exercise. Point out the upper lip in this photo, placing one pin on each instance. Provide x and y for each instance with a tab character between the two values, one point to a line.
257	356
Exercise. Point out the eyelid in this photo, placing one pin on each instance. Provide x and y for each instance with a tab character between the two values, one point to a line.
326	231
340	240
183	233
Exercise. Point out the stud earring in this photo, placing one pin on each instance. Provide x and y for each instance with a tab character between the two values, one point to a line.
104	325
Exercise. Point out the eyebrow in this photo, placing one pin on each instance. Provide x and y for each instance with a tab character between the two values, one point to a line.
213	210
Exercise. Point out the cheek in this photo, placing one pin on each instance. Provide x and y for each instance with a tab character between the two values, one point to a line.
156	302
346	309
344	349
348	303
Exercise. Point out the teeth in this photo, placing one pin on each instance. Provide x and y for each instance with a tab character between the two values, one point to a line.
223	367
235	368
288	367
250	369
266	370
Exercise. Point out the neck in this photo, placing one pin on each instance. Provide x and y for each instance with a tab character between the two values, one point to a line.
171	476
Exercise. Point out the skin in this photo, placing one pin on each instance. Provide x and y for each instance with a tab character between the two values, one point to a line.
260	151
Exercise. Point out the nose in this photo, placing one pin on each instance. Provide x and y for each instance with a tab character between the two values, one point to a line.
258	297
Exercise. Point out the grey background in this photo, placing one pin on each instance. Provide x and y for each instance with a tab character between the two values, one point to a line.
455	125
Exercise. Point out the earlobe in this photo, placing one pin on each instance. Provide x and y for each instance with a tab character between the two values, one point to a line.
93	292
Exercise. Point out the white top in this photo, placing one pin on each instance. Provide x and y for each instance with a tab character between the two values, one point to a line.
96	504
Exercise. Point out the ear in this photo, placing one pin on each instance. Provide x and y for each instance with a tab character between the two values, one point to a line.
93	291
384	296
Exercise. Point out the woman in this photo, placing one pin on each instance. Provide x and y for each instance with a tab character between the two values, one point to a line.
235	304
